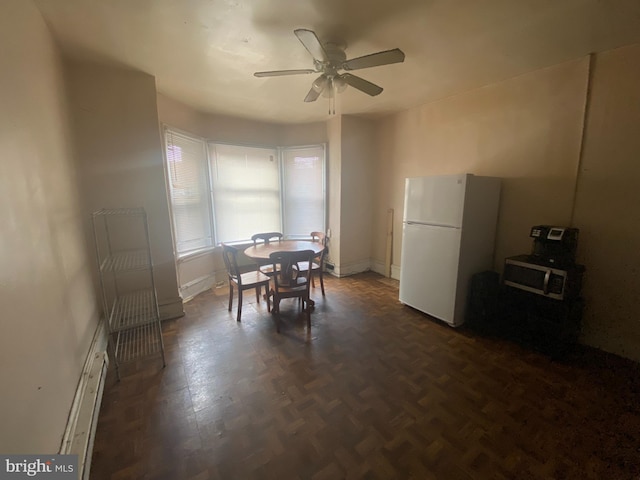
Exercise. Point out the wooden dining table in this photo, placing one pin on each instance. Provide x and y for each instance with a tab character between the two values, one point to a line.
260	253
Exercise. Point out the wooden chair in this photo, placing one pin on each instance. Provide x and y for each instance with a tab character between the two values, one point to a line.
318	261
266	267
243	281
289	283
266	237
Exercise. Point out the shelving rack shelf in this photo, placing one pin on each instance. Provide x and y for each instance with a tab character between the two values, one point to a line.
128	288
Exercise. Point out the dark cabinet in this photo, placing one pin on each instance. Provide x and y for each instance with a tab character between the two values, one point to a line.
545	324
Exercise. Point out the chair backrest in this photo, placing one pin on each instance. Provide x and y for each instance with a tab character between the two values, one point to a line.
230	257
266	237
319	237
286	275
322	238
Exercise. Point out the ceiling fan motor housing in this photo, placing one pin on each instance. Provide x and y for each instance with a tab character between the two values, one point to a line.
336	57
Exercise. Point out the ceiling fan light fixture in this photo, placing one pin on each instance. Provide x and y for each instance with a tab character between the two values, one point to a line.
330	90
339	84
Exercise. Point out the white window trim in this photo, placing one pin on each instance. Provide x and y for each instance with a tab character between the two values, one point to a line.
325	203
182	256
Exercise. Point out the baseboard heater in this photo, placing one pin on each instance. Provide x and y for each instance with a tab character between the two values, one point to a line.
83	417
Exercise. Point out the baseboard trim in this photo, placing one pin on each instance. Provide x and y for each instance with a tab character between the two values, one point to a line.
83	417
170	309
395	272
346	269
197	286
379	267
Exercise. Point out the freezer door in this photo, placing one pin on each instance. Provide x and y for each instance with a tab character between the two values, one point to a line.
435	200
429	270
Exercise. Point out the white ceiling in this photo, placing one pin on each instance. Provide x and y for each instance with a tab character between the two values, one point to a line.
204	52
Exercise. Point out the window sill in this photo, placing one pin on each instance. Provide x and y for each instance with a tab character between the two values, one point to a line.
185	257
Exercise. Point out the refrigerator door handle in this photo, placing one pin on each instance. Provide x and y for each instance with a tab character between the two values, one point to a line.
443	225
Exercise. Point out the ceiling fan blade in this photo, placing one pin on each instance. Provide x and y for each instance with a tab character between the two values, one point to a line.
317	87
312	96
362	84
279	73
375	59
312	44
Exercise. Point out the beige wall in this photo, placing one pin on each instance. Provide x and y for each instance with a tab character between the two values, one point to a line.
120	158
357	175
49	313
334	136
218	128
607	206
303	134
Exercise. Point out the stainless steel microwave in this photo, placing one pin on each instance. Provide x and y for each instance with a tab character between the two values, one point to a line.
555	282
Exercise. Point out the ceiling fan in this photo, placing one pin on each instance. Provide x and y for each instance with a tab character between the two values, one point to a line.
328	60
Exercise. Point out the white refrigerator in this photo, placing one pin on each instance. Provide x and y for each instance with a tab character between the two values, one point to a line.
448	234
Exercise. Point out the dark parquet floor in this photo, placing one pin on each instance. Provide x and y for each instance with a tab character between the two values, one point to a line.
375	390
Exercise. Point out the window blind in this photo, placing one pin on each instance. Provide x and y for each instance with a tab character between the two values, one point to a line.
246	191
304	191
189	192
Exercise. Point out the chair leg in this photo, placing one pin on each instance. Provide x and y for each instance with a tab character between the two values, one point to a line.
230	295
258	294
321	281
308	308
275	311
266	292
239	304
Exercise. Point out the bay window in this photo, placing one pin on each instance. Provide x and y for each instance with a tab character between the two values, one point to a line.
226	193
